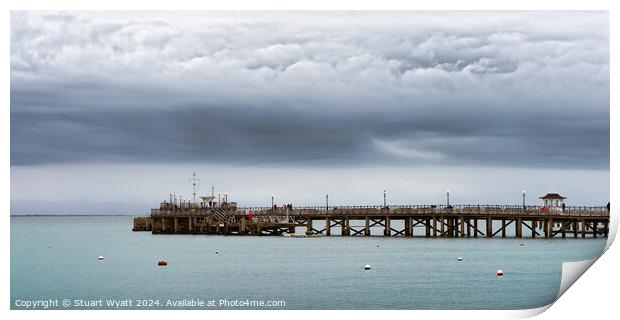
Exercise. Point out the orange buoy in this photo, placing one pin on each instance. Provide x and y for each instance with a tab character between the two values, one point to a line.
162	263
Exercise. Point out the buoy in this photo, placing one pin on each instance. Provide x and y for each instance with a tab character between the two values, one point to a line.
500	273
216	252
377	246
100	258
162	263
459	259
367	267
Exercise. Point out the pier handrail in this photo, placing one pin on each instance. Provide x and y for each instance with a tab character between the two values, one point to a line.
439	209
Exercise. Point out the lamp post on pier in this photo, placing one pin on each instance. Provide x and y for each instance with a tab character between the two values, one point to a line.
384	198
448	198
272	201
523	200
326	202
174	207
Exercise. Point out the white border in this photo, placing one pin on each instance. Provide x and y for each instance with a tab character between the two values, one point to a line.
591	297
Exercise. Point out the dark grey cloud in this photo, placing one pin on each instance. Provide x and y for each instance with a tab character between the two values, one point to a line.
520	89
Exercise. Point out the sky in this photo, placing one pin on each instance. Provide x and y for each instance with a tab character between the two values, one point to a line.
112	111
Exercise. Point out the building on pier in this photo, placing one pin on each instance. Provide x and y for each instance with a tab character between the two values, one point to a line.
553	201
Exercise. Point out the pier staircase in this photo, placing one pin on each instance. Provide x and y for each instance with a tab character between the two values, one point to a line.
251	228
220	214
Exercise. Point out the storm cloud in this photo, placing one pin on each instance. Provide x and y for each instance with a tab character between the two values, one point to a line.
507	89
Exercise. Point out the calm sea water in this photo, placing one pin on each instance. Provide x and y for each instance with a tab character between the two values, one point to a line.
56	258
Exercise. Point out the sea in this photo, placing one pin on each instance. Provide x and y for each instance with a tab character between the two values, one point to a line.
55	265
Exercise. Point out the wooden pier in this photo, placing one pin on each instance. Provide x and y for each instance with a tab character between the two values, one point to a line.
460	221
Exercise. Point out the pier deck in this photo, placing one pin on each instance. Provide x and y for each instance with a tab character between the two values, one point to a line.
470	221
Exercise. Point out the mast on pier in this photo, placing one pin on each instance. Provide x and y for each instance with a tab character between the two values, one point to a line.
193	180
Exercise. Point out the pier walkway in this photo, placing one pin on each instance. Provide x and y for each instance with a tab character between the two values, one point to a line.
457	221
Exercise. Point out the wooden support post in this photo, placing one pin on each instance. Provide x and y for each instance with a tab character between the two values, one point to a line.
367	227
583	228
242	226
462	227
533	229
594	228
503	228
489	227
410	226
455	227
519	227
309	227
434	226
550	225
468	227
428	227
476	227
406	221
443	234
575	228
259	226
176	225
328	226
564	229
546	227
605	229
387	231
163	225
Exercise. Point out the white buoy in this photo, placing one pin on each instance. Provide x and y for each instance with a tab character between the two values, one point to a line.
367	267
459	259
500	273
100	258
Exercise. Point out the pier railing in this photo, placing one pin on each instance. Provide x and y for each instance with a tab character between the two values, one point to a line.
467	209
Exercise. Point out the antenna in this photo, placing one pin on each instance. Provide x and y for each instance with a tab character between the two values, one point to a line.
193	179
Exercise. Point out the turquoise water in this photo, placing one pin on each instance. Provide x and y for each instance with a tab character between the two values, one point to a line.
56	258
